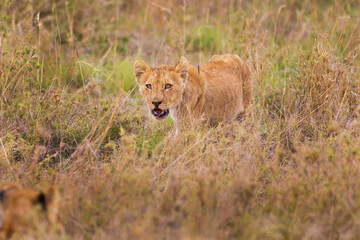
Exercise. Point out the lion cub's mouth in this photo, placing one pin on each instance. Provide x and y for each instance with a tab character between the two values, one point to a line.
158	113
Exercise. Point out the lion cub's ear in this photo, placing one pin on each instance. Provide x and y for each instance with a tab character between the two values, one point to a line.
7	189
139	68
49	199
182	67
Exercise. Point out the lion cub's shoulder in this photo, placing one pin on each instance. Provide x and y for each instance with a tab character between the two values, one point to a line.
225	58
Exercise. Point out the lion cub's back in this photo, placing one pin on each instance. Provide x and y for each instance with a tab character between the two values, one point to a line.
225	97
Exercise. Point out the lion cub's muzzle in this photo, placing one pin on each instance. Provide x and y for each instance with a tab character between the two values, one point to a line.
158	113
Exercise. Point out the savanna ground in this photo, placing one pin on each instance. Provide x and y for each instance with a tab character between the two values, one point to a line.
71	115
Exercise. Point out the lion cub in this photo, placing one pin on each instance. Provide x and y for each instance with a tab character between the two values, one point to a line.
22	209
219	90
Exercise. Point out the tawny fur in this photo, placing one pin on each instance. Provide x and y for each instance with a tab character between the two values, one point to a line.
22	209
217	91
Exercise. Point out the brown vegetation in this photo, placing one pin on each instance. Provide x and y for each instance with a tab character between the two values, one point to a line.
71	115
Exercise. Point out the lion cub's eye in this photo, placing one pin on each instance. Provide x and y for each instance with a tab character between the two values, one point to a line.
148	86
168	86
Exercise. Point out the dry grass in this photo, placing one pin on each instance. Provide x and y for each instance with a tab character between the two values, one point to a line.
70	114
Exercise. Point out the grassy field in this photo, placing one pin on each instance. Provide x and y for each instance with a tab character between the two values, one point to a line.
71	115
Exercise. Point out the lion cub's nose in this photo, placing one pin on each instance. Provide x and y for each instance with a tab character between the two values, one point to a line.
156	104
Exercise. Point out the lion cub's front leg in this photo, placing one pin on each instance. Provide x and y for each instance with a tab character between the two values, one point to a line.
178	120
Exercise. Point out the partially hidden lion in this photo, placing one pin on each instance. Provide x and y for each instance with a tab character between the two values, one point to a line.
23	210
217	91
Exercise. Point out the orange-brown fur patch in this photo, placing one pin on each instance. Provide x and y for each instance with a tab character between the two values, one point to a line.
22	209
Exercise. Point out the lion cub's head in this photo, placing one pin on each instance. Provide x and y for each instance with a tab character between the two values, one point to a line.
24	209
161	86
